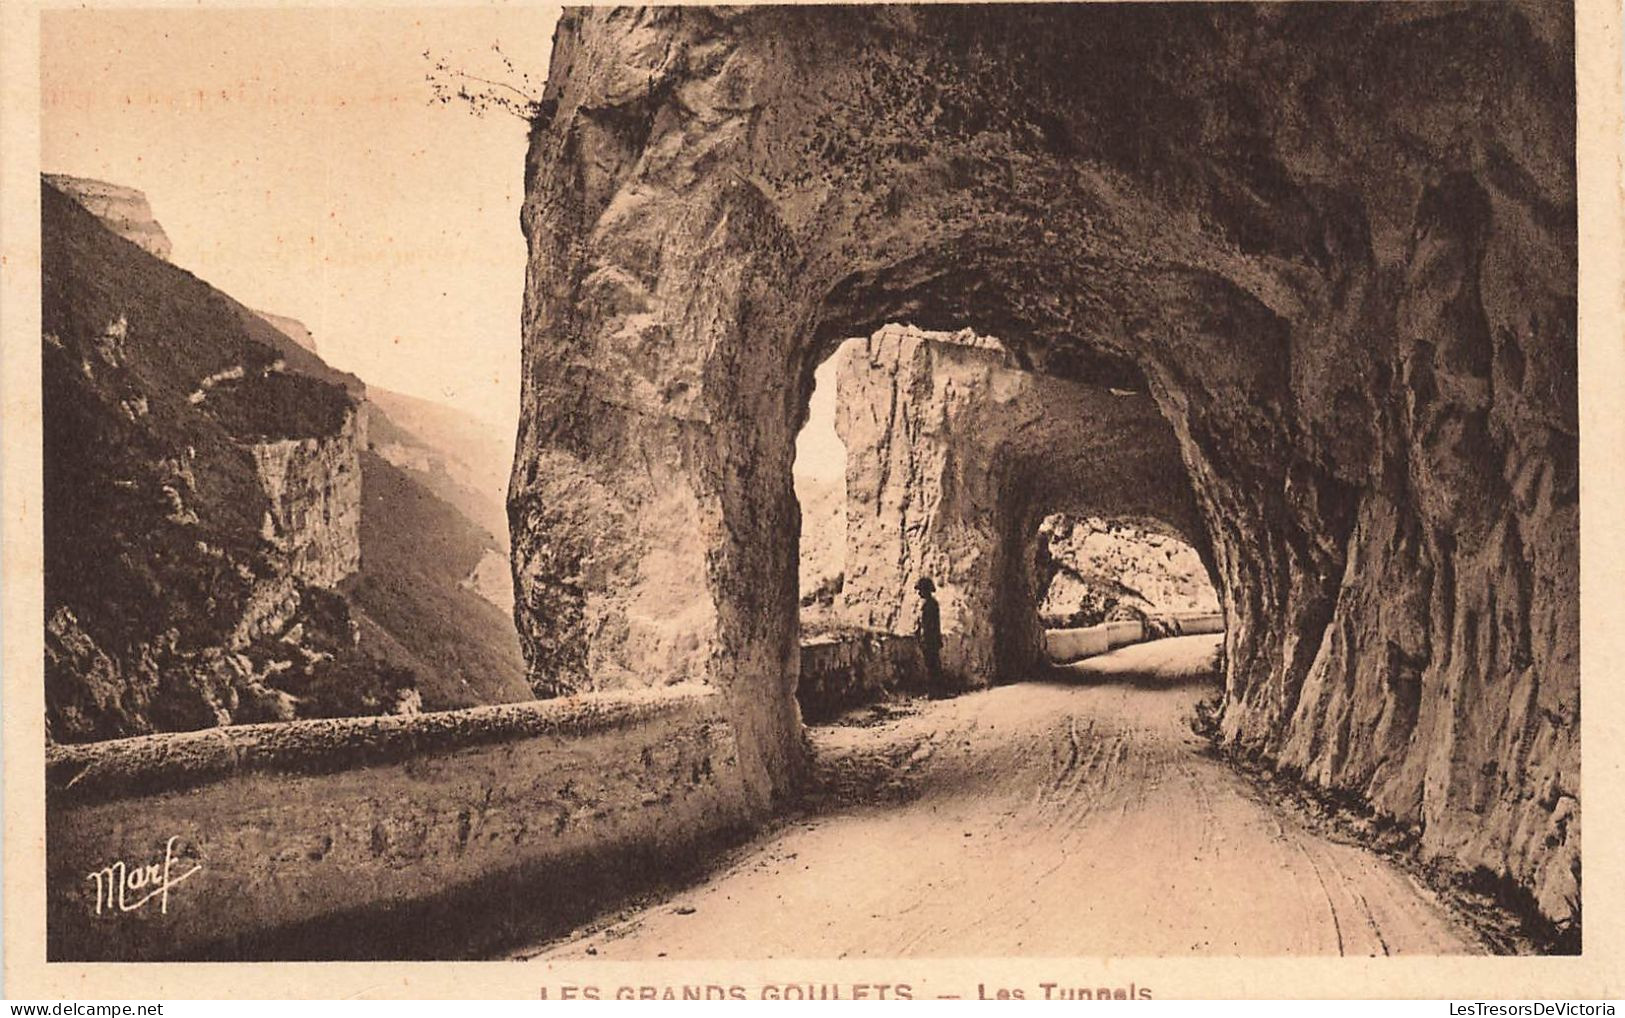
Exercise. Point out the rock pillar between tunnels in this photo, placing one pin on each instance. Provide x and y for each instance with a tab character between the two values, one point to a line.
652	505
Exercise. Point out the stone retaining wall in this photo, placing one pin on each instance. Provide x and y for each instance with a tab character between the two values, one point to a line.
356	837
843	671
1066	645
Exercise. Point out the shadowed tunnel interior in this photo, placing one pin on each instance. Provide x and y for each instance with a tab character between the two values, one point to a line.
1332	246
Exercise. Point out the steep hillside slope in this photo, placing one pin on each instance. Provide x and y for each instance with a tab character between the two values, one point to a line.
194	492
207	491
462	460
416	552
297	348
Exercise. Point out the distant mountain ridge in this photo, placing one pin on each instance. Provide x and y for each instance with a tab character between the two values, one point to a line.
292	328
461	461
468	463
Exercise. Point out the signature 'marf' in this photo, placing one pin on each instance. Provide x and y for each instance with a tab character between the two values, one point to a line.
118	882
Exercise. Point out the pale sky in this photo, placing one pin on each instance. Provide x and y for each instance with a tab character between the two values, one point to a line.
296	162
819	450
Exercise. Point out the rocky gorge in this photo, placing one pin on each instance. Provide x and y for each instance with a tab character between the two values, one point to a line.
1328	250
223	544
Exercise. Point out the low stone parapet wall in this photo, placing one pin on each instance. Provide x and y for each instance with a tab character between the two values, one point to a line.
1062	646
439	836
1190	623
846	670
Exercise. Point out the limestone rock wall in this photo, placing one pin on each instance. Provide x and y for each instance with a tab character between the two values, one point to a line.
290	327
1098	568
823	540
313	495
1335	243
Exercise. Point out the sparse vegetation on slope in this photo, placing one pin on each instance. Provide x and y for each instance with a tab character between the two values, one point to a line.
415	551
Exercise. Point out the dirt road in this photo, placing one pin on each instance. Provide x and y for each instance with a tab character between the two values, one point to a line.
1042	819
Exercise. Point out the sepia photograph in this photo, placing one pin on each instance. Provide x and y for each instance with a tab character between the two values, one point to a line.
756	484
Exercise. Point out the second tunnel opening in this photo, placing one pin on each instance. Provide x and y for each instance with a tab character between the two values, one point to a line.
955	505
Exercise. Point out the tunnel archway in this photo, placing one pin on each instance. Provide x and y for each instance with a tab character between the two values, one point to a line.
927	455
1091	569
955	452
1356	317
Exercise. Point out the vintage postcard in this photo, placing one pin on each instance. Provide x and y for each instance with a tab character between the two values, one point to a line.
1086	501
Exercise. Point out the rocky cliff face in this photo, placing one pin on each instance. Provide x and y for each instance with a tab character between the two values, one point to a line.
210	554
172	435
124	210
1099	568
290	327
313	494
823	536
1335	244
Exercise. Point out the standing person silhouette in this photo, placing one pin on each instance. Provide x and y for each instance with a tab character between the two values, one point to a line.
931	635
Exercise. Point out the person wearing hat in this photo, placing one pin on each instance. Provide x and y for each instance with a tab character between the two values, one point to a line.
930	634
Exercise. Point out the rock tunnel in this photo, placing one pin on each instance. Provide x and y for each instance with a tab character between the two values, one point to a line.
955	454
1333	245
